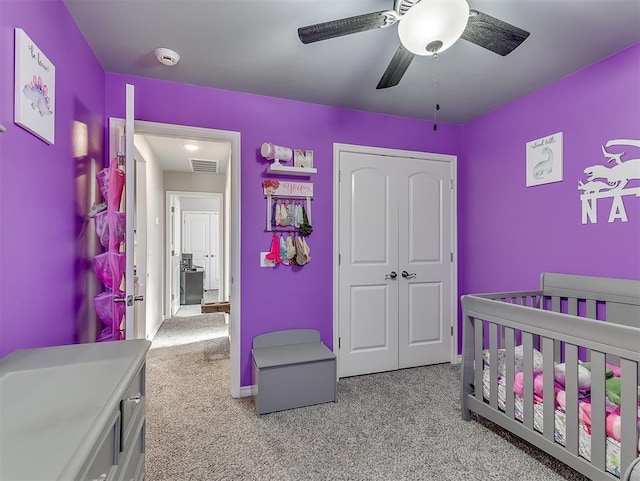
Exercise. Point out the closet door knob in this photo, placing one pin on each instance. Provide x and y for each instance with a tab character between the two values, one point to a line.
392	275
406	275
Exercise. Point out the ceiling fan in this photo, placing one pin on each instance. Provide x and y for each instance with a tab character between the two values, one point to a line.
425	27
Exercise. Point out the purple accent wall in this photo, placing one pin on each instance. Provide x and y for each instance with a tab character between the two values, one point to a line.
40	212
283	297
508	233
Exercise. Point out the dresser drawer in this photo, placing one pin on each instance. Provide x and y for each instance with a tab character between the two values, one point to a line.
103	461
131	403
132	460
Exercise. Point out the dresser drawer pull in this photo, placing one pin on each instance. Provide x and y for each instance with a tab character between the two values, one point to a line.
135	399
103	477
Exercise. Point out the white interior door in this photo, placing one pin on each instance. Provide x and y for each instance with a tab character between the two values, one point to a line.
174	249
121	143
196	233
424	230
133	286
214	253
395	272
201	232
368	266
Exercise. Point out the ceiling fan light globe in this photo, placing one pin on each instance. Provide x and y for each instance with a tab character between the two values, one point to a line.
432	21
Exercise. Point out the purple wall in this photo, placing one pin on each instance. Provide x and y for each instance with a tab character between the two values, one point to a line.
283	297
508	233
41	214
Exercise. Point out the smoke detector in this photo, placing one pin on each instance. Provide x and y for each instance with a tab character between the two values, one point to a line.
166	56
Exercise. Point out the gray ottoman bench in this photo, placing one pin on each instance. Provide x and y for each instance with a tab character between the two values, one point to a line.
292	368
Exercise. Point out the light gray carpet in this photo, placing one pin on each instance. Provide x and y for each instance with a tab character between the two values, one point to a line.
402	425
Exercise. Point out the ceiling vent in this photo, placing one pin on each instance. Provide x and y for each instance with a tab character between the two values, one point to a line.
204	165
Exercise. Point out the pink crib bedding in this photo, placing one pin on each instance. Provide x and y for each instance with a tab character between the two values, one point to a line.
613	418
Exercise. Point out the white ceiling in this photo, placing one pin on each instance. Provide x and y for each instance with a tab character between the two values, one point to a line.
171	154
252	46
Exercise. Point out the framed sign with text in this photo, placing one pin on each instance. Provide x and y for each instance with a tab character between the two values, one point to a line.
35	88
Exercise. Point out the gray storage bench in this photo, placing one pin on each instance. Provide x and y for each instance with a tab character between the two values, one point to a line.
292	368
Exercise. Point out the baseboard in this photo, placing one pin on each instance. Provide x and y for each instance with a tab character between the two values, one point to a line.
246	391
153	333
457	359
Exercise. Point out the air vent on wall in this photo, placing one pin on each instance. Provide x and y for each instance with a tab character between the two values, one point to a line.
204	165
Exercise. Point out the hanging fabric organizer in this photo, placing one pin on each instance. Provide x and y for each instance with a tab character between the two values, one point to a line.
110	265
288	212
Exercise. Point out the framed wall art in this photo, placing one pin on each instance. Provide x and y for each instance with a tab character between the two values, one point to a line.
544	160
35	89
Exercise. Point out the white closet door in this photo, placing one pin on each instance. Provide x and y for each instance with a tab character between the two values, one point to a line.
424	229
395	218
369	243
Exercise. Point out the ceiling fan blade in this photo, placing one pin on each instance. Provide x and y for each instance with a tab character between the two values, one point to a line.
346	26
493	34
396	69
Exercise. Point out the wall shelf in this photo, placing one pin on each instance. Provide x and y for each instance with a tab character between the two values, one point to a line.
286	170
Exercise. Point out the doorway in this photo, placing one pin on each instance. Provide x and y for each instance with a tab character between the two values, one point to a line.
195	236
395	277
160	226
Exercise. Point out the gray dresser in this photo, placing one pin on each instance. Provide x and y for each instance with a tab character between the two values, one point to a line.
73	413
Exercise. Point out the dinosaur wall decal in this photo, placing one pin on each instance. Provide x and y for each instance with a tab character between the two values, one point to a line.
610	182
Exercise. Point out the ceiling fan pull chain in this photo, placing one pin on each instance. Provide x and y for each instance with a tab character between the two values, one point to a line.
436	84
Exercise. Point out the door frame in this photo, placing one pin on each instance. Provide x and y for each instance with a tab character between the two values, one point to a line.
338	148
232	226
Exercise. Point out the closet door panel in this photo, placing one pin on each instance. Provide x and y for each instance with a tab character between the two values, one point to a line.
368	250
425	246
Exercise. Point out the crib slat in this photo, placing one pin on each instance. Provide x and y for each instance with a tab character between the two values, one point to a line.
548	429
478	332
555	307
592	313
493	367
598	444
571	390
629	413
510	372
527	392
572	306
537	301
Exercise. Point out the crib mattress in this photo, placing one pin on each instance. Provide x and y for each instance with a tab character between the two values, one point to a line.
584	438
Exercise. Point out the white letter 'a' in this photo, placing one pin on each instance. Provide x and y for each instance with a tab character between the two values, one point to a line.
617	210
